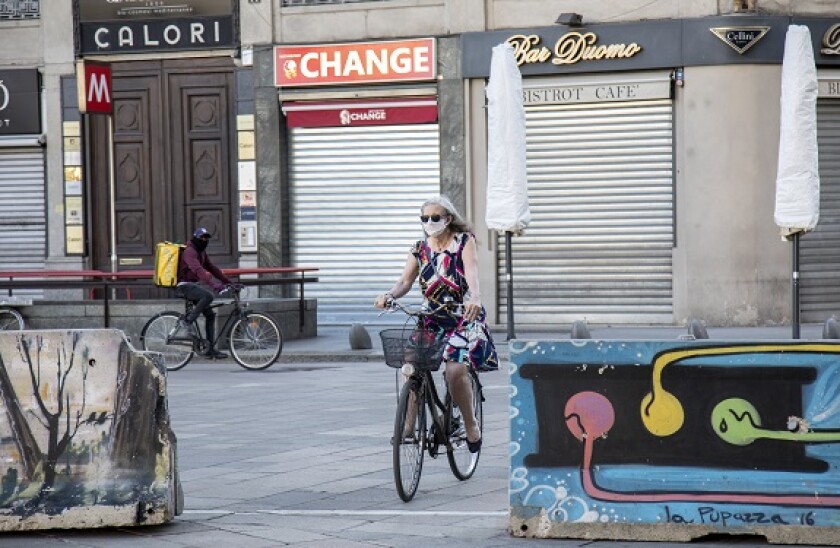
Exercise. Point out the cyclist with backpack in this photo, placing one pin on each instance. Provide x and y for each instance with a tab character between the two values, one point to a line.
196	272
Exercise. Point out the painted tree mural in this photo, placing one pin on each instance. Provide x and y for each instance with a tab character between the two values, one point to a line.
84	424
60	415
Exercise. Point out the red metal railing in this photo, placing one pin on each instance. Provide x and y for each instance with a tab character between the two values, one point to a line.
95	279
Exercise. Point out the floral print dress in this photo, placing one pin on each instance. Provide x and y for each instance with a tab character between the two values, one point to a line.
442	277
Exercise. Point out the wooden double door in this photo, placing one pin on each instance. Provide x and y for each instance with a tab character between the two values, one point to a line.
174	138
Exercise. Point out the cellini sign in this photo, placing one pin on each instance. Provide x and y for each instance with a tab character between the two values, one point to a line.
335	64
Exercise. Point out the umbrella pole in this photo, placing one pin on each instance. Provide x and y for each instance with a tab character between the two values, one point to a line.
509	278
795	285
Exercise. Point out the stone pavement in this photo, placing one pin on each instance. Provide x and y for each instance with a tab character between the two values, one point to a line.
299	455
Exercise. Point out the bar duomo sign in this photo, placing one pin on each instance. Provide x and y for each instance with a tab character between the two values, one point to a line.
123	26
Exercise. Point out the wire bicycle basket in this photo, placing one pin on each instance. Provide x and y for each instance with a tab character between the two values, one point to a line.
415	345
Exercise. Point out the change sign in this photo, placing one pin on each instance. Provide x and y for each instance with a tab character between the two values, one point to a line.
94	87
364	62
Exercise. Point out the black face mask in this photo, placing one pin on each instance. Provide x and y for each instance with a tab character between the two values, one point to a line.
200	243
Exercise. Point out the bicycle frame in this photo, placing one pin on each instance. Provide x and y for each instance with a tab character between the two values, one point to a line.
237	312
437	410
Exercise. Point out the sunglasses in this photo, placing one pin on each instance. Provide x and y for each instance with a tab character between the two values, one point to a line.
435	218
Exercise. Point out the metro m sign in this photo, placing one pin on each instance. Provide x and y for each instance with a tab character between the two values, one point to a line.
94	87
356	63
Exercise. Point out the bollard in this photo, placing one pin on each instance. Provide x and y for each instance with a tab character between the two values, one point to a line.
359	338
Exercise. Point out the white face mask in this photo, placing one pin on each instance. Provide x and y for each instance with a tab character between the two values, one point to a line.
435	228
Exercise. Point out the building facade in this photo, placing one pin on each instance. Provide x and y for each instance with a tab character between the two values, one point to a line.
309	132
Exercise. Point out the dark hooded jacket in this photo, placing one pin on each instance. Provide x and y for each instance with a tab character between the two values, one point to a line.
195	266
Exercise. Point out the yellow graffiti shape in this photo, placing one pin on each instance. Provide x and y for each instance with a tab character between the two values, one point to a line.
662	413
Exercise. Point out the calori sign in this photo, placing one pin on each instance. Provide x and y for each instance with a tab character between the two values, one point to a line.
389	61
94	87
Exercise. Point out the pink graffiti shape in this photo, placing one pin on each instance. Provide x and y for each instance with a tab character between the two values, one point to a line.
589	413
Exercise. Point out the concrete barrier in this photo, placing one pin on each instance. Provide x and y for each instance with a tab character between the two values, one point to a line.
85	439
675	440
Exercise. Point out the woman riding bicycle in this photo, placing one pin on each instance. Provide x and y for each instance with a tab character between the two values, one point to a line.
446	262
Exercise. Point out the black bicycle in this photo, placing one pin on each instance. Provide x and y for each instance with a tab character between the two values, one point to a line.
11	320
425	423
254	338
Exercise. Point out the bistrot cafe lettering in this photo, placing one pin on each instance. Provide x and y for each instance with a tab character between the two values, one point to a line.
573	47
388	61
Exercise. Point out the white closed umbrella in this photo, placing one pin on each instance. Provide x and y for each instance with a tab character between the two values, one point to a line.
797	179
507	183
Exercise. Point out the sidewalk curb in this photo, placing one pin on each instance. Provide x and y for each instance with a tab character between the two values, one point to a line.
338	356
349	356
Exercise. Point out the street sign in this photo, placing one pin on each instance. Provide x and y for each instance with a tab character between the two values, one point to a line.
94	87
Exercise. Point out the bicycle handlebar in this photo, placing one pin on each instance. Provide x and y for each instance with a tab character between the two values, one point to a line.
391	305
233	289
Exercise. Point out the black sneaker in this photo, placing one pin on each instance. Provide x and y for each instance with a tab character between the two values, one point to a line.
214	354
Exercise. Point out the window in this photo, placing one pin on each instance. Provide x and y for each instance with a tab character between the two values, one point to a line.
20	9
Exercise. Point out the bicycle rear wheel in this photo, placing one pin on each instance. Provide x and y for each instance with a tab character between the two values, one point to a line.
11	320
409	440
255	341
154	338
461	461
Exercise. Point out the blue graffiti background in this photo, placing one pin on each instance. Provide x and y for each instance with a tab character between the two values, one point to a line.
559	493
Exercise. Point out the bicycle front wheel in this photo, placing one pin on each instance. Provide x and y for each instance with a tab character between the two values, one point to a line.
11	320
255	341
461	461
409	440
155	335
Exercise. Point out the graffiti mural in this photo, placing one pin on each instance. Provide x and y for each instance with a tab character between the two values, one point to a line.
675	439
84	433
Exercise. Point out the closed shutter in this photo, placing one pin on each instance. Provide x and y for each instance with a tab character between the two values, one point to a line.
820	250
23	235
600	185
355	195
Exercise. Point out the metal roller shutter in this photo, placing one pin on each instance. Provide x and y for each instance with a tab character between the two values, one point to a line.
600	184
820	249
356	195
23	234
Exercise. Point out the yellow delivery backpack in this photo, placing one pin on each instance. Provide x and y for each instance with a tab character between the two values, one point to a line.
167	258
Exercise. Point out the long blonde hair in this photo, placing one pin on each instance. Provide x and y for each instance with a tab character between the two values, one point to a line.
458	223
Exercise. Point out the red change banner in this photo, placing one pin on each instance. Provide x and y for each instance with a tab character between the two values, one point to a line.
379	112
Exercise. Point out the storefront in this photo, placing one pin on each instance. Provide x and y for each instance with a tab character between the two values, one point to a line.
650	200
600	163
176	117
23	234
821	249
361	159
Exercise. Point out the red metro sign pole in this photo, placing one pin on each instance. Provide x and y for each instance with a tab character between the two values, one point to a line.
95	96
